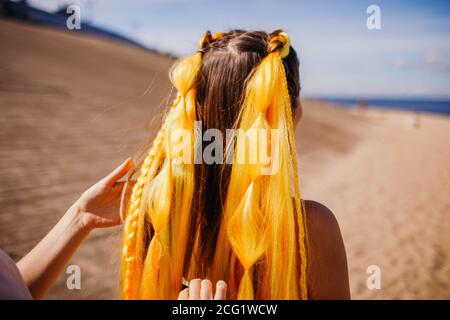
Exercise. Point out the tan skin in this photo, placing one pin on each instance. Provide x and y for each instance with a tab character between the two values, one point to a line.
98	207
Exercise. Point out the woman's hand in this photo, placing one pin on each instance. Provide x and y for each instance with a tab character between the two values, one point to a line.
202	290
98	207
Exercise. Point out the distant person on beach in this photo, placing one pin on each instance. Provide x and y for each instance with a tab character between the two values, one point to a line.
238	226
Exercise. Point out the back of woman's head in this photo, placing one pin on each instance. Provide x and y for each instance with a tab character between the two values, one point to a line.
241	220
226	64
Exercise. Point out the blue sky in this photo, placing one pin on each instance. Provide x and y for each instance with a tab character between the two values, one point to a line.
340	56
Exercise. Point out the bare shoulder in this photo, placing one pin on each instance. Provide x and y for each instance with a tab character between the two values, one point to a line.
322	227
319	217
327	267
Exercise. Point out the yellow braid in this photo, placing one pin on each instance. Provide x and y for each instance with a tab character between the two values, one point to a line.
298	207
130	258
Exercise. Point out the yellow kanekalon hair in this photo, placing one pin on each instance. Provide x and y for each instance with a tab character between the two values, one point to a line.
162	196
261	208
132	255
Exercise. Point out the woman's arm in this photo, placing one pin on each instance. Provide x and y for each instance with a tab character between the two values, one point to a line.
98	207
42	265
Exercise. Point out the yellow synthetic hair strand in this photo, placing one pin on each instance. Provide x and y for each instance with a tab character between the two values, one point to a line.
161	198
261	210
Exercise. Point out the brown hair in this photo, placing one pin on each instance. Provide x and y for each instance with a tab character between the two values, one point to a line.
226	65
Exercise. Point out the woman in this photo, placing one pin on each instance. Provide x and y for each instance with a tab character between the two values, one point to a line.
230	215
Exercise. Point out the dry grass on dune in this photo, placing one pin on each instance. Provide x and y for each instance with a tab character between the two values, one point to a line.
74	106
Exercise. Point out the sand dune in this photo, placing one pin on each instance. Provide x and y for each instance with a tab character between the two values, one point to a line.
74	106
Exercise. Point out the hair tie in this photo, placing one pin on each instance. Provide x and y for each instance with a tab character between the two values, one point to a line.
280	42
207	39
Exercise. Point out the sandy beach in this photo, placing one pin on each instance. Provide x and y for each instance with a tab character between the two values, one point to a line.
73	107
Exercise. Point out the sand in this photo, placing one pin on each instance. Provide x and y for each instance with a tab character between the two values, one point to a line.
74	106
386	176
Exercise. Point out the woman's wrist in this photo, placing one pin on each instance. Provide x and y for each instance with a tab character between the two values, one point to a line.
79	218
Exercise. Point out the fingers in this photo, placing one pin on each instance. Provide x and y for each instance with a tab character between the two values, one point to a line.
221	290
118	186
184	294
119	172
194	289
126	193
206	290
202	290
